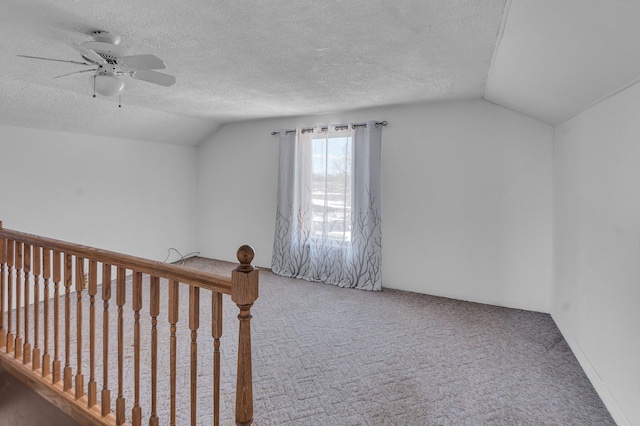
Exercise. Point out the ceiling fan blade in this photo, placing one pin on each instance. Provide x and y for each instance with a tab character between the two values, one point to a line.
88	54
77	72
51	59
142	62
154	77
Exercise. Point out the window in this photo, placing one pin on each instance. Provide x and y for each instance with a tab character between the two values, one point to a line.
328	212
331	183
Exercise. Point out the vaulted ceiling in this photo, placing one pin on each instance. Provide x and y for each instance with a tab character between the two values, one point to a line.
253	59
556	58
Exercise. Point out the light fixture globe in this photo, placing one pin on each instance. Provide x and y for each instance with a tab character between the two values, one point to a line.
107	85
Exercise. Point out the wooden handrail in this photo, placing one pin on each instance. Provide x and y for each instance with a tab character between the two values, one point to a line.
28	262
209	281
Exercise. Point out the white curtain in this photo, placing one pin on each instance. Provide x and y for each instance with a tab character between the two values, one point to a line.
328	216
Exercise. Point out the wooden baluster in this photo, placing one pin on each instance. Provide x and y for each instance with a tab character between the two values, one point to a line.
136	303
174	296
92	397
46	275
154	311
216	332
106	296
3	261
194	324
26	348
35	261
19	255
68	280
120	301
10	263
57	258
37	268
80	286
244	291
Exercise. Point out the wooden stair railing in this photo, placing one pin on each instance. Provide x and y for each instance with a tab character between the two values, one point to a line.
30	328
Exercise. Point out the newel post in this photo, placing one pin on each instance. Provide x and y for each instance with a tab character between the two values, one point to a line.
3	259
244	291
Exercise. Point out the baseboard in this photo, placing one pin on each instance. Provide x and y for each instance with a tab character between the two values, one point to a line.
592	374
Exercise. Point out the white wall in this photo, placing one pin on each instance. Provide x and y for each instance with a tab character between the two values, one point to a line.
466	198
124	195
596	294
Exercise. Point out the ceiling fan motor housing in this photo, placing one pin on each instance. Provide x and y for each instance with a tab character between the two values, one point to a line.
109	52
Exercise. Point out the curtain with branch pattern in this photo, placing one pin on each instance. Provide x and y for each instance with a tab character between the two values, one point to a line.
328	215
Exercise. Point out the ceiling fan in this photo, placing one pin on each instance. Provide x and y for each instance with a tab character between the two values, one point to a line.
112	63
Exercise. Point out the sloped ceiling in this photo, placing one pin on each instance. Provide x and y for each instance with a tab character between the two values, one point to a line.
558	57
252	59
242	60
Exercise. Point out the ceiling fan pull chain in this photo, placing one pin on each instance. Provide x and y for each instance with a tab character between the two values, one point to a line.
119	101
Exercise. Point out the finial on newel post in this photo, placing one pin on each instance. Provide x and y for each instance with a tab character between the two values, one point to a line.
244	291
245	256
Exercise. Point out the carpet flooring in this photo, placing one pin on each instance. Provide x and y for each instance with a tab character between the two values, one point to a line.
324	355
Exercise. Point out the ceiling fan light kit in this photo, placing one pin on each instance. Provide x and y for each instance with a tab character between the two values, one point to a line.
111	62
107	85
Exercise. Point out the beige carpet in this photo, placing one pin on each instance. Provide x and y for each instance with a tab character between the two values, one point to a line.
324	355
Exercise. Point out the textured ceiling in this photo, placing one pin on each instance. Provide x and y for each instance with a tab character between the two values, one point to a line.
242	60
253	59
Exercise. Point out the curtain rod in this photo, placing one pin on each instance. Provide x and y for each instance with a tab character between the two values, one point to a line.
338	127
